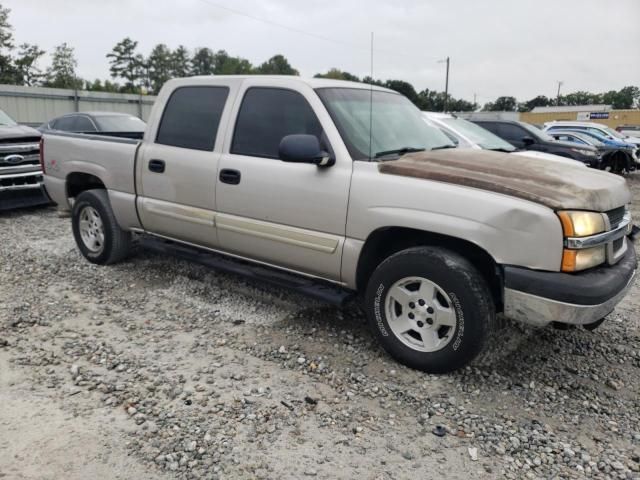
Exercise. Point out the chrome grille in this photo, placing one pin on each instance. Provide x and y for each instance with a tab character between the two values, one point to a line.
19	154
616	216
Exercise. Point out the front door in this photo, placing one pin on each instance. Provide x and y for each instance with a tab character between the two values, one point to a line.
288	214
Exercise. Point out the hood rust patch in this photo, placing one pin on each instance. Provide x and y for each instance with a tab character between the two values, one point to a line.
553	184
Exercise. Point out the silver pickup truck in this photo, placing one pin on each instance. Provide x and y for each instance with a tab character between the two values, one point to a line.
345	184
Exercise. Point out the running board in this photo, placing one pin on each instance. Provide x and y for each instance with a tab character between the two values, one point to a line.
315	288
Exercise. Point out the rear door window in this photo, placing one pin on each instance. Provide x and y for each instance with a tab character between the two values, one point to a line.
266	116
66	124
83	124
512	132
492	127
192	116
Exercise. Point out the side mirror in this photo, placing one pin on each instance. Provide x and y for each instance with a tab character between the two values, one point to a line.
303	148
528	141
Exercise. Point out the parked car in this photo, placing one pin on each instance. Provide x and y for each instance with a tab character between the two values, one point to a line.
20	171
466	134
98	123
614	158
629	130
608	132
287	174
603	137
524	136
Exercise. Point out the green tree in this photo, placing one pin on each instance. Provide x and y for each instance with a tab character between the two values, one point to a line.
159	65
405	88
502	104
26	65
62	71
371	81
125	63
277	65
8	71
539	101
224	64
180	62
581	98
337	74
203	62
623	99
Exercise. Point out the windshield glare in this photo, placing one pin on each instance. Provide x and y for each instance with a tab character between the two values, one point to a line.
6	119
614	134
537	133
119	123
478	135
396	122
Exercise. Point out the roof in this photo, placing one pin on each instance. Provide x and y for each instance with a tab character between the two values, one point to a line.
98	114
572	108
575	123
292	79
437	115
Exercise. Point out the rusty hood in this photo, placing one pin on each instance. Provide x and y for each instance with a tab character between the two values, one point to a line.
557	185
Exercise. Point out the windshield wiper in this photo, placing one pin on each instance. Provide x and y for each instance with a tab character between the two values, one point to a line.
399	151
442	147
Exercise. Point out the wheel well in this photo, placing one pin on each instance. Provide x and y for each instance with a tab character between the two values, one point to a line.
384	242
80	182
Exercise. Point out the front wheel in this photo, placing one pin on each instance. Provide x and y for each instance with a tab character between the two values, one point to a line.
96	231
430	308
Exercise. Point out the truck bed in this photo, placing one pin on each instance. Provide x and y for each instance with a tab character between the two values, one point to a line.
109	158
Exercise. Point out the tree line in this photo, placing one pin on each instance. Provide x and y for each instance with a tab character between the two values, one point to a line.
623	99
133	72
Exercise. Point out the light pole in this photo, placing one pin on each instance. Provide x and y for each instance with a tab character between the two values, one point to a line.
446	84
560	82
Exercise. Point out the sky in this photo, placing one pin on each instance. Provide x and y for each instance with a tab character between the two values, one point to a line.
497	47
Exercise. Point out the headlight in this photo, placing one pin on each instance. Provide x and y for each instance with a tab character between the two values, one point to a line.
577	223
586	153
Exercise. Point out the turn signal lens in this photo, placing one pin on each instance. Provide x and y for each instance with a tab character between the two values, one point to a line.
581	224
577	260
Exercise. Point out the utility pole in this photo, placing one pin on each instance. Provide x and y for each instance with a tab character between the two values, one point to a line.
474	98
446	84
446	87
560	82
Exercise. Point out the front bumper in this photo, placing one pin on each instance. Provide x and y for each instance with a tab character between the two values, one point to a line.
539	298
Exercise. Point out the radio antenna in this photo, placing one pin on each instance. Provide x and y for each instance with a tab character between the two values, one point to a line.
371	104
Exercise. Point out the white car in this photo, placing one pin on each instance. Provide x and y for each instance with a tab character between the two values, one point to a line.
608	132
466	134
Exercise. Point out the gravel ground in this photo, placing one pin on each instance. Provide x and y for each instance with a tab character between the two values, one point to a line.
157	368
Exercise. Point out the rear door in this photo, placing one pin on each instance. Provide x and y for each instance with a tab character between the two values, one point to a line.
177	165
513	134
288	214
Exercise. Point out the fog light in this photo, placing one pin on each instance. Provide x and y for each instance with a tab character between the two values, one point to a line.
576	260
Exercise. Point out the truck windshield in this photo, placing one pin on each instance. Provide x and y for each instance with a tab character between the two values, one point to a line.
482	137
6	120
398	126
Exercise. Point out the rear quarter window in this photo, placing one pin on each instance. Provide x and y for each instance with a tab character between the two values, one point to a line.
191	117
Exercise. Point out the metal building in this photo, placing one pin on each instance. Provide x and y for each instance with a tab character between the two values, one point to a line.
36	105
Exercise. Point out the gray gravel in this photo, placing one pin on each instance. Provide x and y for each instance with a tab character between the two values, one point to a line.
176	371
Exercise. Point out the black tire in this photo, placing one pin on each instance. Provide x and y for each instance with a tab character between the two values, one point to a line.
466	288
117	242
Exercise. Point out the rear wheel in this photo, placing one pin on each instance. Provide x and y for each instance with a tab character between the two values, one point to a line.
96	231
430	308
